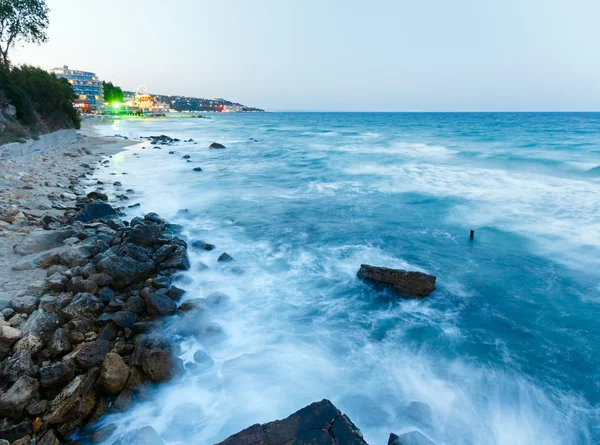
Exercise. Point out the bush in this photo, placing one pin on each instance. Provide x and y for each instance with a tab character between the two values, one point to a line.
40	98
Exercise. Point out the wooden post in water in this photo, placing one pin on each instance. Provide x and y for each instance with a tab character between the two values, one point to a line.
472	235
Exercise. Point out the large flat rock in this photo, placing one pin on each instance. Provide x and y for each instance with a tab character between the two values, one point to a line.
401	282
320	423
42	240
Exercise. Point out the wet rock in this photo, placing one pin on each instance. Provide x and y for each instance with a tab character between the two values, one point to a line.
13	432
412	438
175	293
203	359
25	305
401	282
41	241
178	259
41	323
97	195
158	364
197	169
55	375
113	374
83	305
14	400
106	294
319	424
154	218
159	305
145	235
216	145
202	245
78	285
216	299
101	279
92	354
103	434
74	403
20	364
148	436
59	343
421	412
225	257
135	304
96	211
124	319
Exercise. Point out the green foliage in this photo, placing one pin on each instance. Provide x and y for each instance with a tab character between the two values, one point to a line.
21	20
112	93
40	98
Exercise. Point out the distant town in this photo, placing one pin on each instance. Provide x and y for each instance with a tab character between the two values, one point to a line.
98	97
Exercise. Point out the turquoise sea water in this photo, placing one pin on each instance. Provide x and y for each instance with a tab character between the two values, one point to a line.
506	351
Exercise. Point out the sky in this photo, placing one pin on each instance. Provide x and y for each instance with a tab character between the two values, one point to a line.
338	55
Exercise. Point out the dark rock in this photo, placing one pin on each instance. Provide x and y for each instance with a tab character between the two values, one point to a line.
401	282
158	364
25	305
113	374
216	145
55	375
175	293
12	432
95	211
126	264
54	304
135	304
104	319
177	260
224	257
91	355
145	235
101	279
59	343
106	294
78	284
160	305
154	218
197	169
36	407
412	438
83	305
317	424
57	282
16	398
202	245
161	282
20	364
143	326
186	157
103	434
74	403
109	332
124	319
97	195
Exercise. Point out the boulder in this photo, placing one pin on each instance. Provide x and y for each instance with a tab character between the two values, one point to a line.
412	438
401	282
57	282
11	432
96	211
145	235
79	284
158	364
48	439
216	145
92	354
14	400
97	195
30	343
318	424
42	324
41	241
20	364
55	375
25	305
127	263
9	335
159	305
202	245
178	259
69	408
203	360
83	305
54	304
103	434
421	412
148	436
135	304
224	257
59	343
124	319
113	374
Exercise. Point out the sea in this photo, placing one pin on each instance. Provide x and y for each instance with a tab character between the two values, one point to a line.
506	351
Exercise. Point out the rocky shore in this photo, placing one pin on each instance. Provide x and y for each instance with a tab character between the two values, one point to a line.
84	298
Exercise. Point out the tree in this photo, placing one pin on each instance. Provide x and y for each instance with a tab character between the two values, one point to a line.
112	93
21	20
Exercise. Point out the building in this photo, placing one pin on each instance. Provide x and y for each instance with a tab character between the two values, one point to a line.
87	87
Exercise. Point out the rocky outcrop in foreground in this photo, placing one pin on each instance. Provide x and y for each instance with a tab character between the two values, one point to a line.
83	344
320	424
402	283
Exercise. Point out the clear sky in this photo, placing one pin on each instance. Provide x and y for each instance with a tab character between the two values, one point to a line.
367	55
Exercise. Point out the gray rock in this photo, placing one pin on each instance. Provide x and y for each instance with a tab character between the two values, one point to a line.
14	400
54	304
25	305
145	235
159	305
59	343
9	335
401	282
79	284
135	304
203	359
148	436
83	305
126	264
57	282
178	259
41	241
41	324
124	319
421	412
20	364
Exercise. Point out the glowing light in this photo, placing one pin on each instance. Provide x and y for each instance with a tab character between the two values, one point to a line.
117	105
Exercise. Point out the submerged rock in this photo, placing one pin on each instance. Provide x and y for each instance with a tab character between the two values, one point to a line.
96	211
412	438
401	282
216	145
